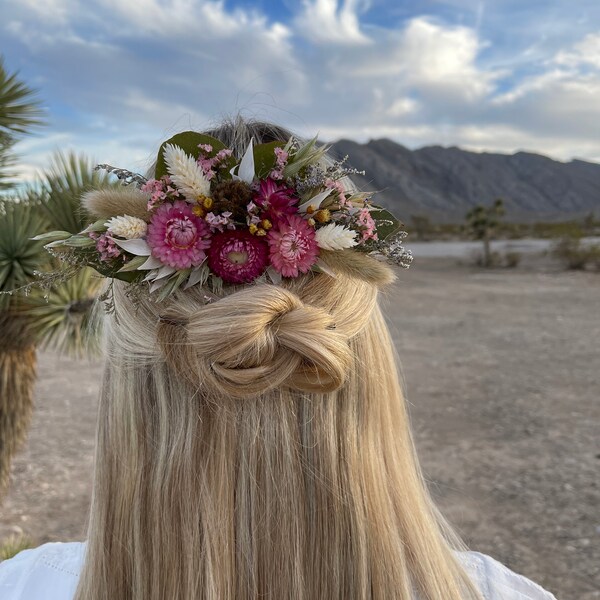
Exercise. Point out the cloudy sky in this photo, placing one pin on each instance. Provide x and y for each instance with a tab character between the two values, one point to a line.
119	76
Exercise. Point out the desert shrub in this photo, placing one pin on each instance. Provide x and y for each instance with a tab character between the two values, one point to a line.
576	255
512	259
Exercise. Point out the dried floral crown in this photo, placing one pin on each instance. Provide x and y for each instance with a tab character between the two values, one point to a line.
207	218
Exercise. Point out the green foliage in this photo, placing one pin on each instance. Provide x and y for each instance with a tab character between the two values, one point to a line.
574	254
189	142
20	256
482	222
264	158
387	224
61	187
19	114
64	318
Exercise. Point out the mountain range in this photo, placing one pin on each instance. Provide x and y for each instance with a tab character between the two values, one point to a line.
444	183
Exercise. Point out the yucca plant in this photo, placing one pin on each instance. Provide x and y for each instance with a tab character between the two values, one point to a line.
60	317
20	258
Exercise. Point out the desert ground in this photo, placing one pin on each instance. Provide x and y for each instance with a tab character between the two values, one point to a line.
502	374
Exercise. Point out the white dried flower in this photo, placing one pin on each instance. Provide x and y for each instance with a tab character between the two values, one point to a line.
186	174
335	237
130	228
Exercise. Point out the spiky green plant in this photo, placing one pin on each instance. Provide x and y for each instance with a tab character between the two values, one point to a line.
61	318
12	545
482	222
20	112
62	185
20	257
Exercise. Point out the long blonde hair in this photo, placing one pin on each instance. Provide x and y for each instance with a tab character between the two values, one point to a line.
259	447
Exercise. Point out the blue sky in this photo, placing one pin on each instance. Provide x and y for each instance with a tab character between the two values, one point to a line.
117	77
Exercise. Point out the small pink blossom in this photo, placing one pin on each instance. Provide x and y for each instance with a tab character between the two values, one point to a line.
238	256
160	190
217	222
293	246
177	237
367	224
274	200
339	188
209	163
280	163
105	245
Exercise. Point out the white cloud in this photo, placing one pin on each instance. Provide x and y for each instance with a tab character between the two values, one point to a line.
325	22
121	77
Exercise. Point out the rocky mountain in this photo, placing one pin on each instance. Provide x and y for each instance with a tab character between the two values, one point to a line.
443	183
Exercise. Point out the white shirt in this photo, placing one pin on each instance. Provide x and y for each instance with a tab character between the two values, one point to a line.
51	572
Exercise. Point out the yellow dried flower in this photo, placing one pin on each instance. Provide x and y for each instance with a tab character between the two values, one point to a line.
261	232
323	215
310	209
252	228
311	222
198	211
207	202
266	224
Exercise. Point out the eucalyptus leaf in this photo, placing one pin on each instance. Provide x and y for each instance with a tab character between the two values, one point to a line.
265	159
188	141
386	223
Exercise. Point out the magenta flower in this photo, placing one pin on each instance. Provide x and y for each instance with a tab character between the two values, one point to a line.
293	246
178	237
275	201
237	256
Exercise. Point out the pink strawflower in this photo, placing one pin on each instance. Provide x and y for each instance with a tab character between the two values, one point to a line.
106	246
178	237
293	246
274	200
238	256
366	224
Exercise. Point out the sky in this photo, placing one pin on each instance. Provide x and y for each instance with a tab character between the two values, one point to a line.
118	77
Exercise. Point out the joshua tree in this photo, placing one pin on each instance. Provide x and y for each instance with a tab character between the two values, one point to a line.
482	222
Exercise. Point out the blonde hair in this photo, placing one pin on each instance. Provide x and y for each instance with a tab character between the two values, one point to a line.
259	446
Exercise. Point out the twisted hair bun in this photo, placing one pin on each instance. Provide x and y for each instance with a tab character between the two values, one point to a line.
254	340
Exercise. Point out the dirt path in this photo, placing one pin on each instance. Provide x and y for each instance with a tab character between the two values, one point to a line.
502	372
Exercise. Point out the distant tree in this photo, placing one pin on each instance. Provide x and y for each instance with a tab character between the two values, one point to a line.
589	223
421	226
482	222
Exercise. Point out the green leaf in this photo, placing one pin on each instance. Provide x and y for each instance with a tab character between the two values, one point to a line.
79	241
386	223
133	264
98	225
265	159
188	141
51	236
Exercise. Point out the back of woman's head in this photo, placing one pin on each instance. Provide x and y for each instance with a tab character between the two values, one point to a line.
256	444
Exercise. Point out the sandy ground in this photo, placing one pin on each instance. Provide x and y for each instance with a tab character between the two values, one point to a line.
502	372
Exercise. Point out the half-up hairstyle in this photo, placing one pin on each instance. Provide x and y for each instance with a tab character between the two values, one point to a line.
258	445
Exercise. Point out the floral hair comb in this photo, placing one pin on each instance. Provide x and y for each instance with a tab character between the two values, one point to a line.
207	218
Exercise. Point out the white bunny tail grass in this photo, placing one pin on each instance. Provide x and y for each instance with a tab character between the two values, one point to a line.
359	266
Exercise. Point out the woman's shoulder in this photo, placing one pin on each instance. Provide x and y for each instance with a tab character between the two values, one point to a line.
50	568
498	582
